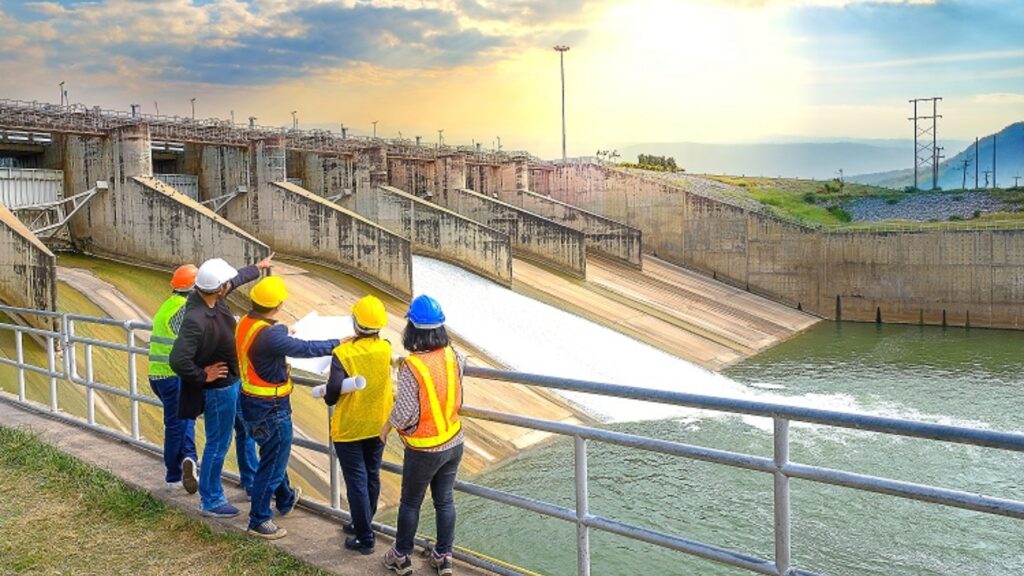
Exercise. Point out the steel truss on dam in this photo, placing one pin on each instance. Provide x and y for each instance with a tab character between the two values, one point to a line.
63	364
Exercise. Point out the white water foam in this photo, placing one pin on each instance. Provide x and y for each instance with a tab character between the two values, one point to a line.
530	336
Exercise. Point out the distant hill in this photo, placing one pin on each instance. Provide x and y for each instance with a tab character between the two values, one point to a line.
800	159
1009	163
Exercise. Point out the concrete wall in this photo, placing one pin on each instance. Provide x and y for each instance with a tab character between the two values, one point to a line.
371	168
28	270
322	175
533	237
438	232
140	219
514	175
483	178
605	237
967	277
417	177
221	169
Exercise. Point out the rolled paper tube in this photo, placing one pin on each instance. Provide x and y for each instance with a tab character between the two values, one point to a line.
352	384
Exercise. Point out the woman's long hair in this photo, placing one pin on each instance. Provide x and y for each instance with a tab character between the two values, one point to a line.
424	340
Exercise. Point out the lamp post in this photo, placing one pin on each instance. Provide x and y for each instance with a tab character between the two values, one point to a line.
374	128
61	92
440	137
193	101
562	49
295	120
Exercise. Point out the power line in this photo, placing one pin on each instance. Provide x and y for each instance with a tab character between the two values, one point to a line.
925	153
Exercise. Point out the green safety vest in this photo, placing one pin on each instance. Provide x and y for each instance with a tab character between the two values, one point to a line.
162	339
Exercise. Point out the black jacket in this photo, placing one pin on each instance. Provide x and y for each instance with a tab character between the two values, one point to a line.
207	336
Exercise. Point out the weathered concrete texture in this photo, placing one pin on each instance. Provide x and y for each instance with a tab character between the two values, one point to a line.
515	175
326	176
546	242
417	177
438	232
483	178
27	268
955	277
540	180
371	168
221	169
140	219
605	237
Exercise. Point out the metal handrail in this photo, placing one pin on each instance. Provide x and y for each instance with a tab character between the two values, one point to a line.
779	465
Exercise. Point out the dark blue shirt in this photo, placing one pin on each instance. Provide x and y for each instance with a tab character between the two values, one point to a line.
268	351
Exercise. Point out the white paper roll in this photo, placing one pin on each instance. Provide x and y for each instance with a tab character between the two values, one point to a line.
352	384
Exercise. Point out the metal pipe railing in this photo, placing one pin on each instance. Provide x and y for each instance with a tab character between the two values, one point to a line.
779	465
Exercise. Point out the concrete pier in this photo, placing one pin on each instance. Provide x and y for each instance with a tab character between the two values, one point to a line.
139	219
535	238
438	232
27	267
324	175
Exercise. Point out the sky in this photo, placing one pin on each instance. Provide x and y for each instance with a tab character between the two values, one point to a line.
636	71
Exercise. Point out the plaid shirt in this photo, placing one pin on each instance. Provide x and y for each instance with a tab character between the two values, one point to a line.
406	412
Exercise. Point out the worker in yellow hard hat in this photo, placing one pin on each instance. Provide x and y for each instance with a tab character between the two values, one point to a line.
359	387
263	344
179	433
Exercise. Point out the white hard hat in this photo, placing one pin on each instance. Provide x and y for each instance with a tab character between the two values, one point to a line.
213	274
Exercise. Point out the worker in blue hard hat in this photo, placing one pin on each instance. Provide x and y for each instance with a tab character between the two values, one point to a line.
426	416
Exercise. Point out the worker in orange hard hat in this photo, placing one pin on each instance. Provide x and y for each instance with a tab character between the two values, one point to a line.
179	434
360	390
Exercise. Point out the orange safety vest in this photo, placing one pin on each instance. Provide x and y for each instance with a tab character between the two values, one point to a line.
252	385
440	388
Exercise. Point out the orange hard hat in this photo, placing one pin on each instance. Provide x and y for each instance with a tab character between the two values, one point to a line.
184	277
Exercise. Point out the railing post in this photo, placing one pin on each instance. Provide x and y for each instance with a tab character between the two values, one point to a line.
782	518
582	508
51	363
133	384
20	350
69	352
90	393
335	488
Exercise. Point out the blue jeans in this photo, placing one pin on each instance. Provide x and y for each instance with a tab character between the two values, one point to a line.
179	435
420	470
245	451
218	421
360	465
269	422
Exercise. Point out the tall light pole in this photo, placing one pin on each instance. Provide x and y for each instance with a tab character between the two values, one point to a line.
440	137
375	128
61	92
562	49
295	120
193	101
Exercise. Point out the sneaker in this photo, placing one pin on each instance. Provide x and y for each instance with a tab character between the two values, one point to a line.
349	529
398	563
442	563
364	548
268	531
190	475
173	485
295	502
222	511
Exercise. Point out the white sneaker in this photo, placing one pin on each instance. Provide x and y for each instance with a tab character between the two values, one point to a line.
174	486
190	475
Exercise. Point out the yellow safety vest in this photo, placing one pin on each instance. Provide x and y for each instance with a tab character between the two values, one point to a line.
361	414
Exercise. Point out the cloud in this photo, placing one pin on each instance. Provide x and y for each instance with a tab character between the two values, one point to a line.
999	98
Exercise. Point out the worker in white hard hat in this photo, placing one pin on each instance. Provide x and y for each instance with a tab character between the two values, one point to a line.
205	357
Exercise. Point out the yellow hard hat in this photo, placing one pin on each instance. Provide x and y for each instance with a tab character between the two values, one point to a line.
370	313
269	292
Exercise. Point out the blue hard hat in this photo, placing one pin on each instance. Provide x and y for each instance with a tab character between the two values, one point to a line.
425	313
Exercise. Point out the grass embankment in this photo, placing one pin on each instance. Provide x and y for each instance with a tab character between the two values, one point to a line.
821	203
60	515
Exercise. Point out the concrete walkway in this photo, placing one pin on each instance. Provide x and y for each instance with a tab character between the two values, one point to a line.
313	538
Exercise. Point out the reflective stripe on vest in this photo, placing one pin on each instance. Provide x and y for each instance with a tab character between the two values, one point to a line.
252	385
437	375
361	414
162	339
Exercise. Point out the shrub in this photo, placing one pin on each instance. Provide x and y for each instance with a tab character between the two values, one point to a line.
955	218
977	214
810	198
892	201
957	197
840	213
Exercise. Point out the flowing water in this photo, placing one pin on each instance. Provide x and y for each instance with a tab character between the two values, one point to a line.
958	376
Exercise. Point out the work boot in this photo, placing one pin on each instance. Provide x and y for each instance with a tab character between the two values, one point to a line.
189	475
268	531
442	563
357	545
398	563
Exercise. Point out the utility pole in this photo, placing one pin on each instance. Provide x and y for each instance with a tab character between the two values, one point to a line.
252	121
925	153
499	143
440	138
993	161
841	182
1016	181
375	128
987	172
976	163
967	162
156	107
61	92
935	166
193	101
232	117
562	49
295	120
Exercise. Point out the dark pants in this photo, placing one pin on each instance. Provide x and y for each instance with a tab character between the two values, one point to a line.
245	450
179	435
420	470
269	423
360	465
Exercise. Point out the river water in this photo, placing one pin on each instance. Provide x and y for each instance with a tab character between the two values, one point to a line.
957	376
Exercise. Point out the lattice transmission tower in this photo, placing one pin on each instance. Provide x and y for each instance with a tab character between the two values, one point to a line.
926	153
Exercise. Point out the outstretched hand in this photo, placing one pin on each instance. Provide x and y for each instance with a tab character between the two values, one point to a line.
266	262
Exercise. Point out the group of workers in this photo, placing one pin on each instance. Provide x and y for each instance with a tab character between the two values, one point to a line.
234	372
